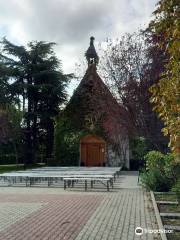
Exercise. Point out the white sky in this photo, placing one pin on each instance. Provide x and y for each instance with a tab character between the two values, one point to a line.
70	23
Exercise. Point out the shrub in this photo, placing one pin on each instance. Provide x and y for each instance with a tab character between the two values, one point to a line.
7	159
160	172
154	160
172	168
66	144
176	189
156	181
139	147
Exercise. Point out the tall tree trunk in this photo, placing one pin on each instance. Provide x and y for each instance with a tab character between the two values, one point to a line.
29	156
49	140
34	132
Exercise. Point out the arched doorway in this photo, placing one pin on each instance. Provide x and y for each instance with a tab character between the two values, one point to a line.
92	151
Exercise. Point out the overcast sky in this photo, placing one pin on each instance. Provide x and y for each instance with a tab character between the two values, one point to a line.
70	23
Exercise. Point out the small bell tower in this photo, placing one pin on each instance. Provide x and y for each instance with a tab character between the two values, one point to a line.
91	55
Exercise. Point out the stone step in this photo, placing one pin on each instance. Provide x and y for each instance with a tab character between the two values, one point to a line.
172	227
170	215
165	193
167	202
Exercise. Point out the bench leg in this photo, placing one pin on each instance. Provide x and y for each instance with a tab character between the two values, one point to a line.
85	185
64	184
26	181
92	184
69	183
9	182
111	181
30	182
48	182
14	180
108	185
138	176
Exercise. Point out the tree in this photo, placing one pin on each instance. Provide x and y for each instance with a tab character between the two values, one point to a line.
10	127
6	96
130	67
4	127
165	94
39	83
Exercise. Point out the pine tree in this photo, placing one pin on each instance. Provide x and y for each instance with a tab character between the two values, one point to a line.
40	84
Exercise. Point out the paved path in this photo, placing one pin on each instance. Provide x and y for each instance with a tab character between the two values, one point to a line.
55	214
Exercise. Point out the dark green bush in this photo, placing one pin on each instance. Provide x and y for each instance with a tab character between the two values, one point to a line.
176	189
7	159
66	144
139	148
154	160
160	174
172	168
156	181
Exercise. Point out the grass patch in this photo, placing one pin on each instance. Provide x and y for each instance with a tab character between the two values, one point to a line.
6	168
19	167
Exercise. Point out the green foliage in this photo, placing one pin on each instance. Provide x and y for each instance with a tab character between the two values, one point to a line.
39	83
8	158
17	167
68	133
139	148
165	94
155	160
156	181
176	189
171	168
161	171
8	148
66	143
11	167
10	141
15	116
7	95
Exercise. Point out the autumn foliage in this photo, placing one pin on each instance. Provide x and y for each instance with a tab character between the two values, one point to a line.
166	93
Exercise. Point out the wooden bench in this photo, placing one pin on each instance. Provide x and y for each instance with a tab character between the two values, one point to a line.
71	180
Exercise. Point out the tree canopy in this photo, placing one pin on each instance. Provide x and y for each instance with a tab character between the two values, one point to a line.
34	76
130	65
166	93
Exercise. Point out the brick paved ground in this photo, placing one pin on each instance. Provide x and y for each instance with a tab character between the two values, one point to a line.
55	214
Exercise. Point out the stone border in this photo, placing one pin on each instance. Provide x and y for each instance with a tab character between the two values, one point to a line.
158	218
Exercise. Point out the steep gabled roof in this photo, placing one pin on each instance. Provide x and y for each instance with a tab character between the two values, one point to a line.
92	101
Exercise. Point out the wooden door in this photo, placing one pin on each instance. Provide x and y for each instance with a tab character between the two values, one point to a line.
93	155
92	151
